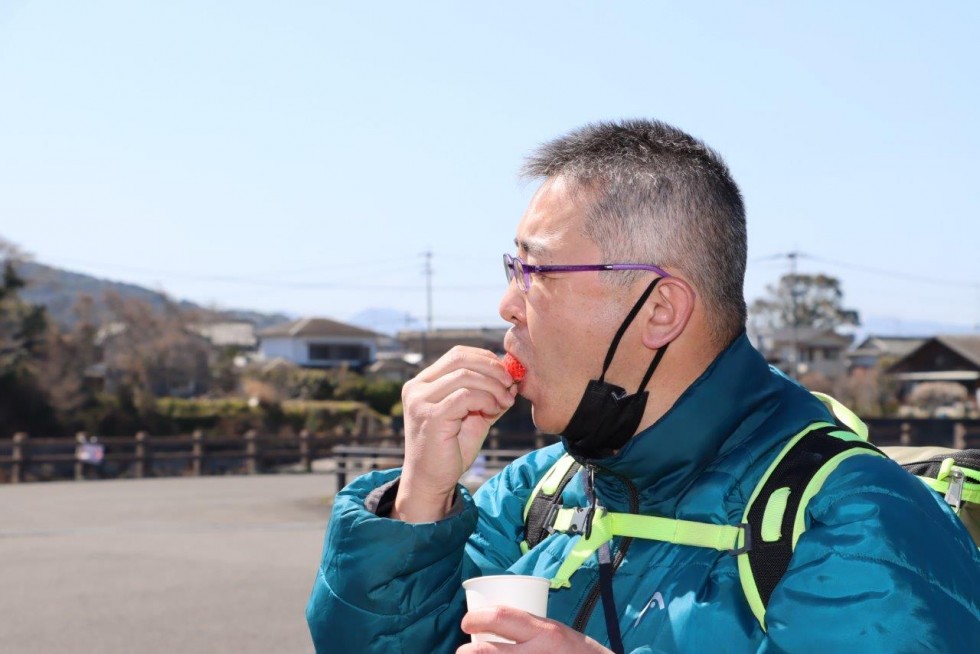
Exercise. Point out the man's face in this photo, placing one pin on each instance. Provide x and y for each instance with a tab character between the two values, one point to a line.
564	323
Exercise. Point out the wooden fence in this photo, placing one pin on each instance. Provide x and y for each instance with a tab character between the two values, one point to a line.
960	434
24	458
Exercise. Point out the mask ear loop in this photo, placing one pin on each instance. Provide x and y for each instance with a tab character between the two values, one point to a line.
653	366
622	330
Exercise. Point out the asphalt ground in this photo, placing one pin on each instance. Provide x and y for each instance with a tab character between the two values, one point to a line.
190	565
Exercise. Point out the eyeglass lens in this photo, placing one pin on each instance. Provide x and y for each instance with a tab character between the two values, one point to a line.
513	267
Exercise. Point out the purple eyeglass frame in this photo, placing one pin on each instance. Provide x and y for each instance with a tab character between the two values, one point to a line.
511	264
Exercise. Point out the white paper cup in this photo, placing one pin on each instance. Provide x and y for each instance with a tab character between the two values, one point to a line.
518	591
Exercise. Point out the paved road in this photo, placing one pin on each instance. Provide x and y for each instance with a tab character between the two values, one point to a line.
190	565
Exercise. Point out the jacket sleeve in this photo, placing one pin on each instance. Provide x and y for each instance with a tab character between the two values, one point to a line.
884	566
385	585
496	543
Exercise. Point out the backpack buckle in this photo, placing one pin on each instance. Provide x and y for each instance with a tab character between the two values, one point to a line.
580	522
954	495
550	517
747	545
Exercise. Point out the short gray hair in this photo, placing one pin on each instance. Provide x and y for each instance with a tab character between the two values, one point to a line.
658	195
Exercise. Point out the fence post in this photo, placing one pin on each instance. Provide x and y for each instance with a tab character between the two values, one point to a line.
80	439
142	454
905	436
493	442
20	458
340	465
959	436
251	452
305	458
197	452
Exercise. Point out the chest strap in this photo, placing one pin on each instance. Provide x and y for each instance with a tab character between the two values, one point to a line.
605	525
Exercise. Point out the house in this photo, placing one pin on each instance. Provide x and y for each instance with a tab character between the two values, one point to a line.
949	358
236	335
807	349
320	343
434	343
877	352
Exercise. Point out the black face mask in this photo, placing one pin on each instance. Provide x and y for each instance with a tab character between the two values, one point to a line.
607	417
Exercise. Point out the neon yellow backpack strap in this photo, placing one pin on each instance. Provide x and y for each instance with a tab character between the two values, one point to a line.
606	525
776	511
545	494
548	484
845	416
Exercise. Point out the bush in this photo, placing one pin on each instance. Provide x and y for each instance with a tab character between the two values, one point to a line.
289	382
382	395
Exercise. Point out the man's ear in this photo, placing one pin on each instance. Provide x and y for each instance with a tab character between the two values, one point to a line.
667	312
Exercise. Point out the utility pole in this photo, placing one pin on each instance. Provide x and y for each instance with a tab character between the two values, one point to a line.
427	271
796	321
428	289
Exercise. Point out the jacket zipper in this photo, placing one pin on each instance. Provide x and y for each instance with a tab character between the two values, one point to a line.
582	619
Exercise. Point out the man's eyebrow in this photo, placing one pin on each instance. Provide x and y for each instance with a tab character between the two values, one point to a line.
533	248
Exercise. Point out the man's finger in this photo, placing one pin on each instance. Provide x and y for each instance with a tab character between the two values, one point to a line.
439	389
473	358
506	622
464	402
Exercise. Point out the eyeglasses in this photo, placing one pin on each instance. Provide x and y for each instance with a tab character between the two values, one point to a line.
517	268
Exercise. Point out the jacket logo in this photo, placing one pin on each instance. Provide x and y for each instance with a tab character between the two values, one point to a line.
657	599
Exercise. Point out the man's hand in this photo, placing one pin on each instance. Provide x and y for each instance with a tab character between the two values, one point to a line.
449	408
532	635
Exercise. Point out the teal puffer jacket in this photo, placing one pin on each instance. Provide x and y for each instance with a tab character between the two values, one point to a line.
883	566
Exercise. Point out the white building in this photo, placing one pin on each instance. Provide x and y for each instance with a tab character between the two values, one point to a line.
320	343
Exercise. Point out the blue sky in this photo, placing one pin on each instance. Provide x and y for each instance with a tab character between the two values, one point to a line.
301	156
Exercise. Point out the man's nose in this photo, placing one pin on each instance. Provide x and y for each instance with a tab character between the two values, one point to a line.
511	306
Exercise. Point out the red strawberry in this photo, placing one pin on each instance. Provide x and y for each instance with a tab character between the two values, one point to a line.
514	367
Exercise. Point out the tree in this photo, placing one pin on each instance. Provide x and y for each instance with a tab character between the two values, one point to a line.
153	352
23	329
63	367
804	300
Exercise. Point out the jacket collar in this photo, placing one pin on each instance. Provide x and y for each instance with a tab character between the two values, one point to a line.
724	406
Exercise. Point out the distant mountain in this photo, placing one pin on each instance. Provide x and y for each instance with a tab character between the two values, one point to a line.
59	290
880	326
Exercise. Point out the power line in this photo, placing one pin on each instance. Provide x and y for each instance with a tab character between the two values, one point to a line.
232	278
897	275
905	276
338	284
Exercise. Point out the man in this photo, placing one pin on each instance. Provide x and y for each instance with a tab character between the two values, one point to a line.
880	568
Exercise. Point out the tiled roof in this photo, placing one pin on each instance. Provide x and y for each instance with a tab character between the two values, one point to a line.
966	345
316	327
808	336
897	346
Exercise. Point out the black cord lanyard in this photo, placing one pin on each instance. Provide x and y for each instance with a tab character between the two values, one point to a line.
605	570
